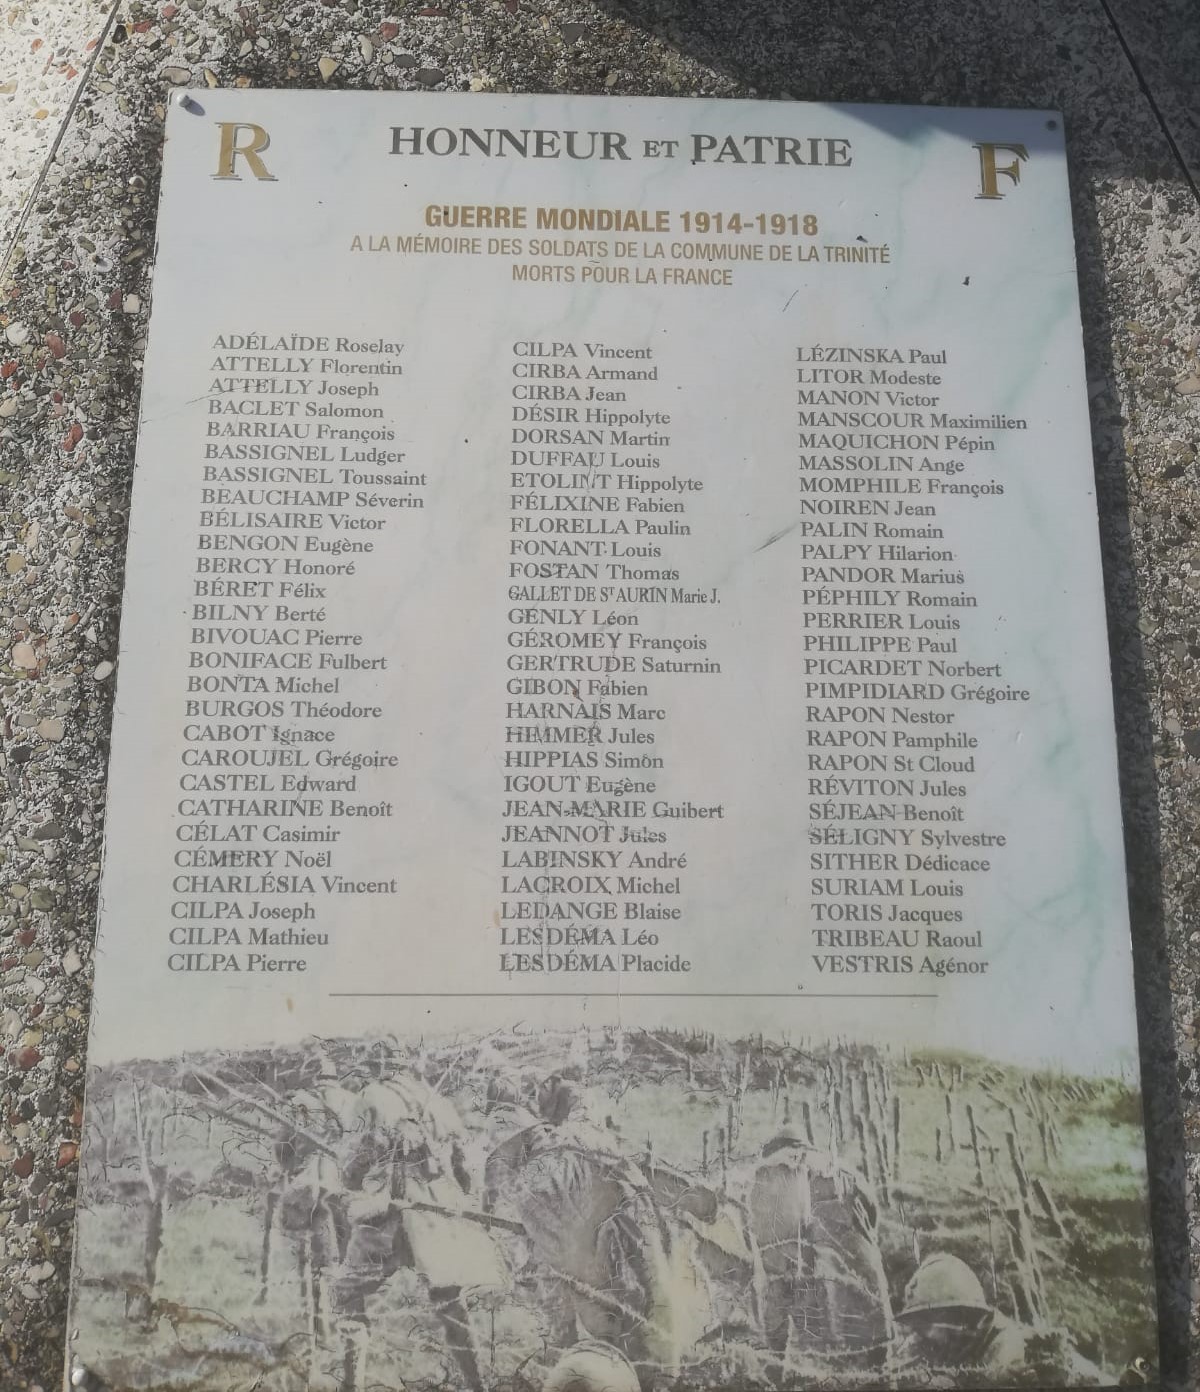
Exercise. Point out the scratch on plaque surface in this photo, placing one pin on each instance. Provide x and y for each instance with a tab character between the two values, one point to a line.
774	537
789	300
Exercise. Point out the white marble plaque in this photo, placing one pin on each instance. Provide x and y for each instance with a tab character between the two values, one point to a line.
614	868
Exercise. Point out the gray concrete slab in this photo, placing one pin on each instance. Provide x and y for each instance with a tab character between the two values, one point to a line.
45	50
1162	43
73	309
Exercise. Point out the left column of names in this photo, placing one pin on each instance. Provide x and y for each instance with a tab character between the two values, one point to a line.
297	485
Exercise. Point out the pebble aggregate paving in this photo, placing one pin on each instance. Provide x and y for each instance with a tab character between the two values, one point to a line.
90	82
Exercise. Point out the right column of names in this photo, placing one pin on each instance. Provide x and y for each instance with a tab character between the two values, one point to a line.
896	677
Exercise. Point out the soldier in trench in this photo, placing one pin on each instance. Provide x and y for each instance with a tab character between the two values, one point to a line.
826	1306
950	1335
400	1202
614	1270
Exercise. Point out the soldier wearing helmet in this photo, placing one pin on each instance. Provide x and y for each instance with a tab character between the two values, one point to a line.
378	1182
592	1366
614	1271
406	1187
952	1336
814	1223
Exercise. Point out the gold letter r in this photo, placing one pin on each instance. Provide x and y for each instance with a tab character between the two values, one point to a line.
230	149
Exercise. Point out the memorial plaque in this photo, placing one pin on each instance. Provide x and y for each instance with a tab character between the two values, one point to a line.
614	869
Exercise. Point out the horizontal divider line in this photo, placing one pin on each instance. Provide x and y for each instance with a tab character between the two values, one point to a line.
656	995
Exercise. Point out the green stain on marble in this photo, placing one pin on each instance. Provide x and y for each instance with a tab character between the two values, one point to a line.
1083	897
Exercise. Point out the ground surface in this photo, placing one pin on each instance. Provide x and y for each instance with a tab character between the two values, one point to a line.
81	109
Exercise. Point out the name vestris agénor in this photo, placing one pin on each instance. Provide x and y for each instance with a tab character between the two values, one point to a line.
701	148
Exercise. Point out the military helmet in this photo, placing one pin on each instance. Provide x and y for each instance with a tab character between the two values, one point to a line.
943	1282
592	1366
786	1138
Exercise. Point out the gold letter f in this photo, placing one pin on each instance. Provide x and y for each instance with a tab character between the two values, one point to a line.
988	169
